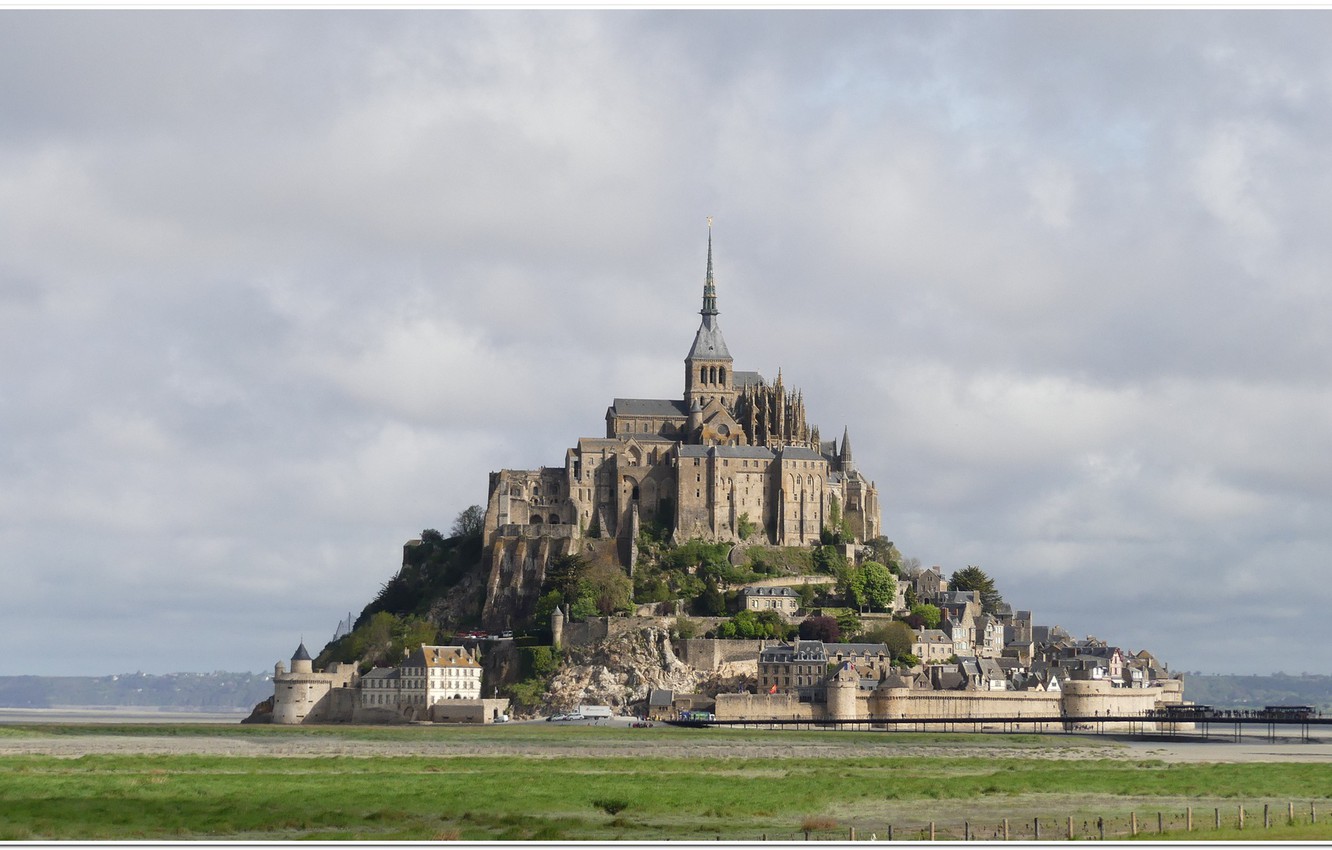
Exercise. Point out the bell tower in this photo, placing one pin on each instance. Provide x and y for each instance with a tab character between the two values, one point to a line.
708	371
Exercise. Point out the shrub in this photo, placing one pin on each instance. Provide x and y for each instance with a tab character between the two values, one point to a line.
611	806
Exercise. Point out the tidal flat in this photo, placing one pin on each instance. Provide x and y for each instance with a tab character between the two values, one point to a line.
537	781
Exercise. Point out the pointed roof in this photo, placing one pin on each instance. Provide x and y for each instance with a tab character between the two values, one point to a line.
847	462
708	342
301	654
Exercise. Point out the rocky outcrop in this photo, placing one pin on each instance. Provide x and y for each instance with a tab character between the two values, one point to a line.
621	671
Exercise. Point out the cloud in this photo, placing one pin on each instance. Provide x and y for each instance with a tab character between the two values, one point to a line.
279	290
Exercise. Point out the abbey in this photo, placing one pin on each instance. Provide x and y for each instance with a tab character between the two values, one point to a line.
732	459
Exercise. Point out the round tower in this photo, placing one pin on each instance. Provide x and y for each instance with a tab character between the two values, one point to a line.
842	693
556	627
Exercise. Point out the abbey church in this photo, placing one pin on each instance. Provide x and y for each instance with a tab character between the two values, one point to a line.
732	459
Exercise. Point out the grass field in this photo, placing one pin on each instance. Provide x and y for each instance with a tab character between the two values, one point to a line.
534	782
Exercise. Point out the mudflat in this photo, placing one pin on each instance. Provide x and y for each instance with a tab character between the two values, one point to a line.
532	741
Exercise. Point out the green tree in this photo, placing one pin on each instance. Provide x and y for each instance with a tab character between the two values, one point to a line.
827	559
470	522
881	549
563	574
808	593
849	622
878	585
744	526
897	636
609	585
974	578
927	614
851	585
685	628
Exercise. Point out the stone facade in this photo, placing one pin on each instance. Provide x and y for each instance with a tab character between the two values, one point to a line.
732	458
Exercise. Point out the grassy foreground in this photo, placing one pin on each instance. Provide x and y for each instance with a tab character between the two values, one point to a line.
588	783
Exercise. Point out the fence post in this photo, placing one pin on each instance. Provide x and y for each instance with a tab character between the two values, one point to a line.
1218	819
890	832
931	830
1005	829
1241	816
1160	824
1070	827
853	833
1188	819
1036	828
1312	818
1133	823
1290	813
1100	828
966	830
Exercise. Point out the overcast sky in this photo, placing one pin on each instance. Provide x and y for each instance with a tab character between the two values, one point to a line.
278	290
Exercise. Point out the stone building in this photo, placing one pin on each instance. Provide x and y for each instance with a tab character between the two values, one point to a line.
304	696
732	458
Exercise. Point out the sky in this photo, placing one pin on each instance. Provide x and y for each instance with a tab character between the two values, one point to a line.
278	290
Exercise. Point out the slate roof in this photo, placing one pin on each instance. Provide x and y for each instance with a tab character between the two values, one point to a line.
856	648
650	407
709	344
747	379
767	591
744	451
301	654
660	697
798	453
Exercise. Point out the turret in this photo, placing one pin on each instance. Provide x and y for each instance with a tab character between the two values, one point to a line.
848	463
556	627
301	661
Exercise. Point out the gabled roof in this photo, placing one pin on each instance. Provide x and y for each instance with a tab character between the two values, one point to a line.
650	407
798	453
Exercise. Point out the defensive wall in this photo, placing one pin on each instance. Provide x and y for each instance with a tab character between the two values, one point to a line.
708	654
847	702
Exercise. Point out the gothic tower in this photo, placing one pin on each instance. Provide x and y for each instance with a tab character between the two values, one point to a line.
708	371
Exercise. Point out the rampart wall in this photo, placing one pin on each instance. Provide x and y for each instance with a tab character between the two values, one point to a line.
764	707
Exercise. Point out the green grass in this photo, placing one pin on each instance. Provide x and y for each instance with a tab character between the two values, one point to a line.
596	792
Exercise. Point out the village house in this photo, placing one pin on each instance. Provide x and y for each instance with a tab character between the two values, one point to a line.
783	600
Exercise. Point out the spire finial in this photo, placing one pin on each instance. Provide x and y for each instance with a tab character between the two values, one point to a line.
709	285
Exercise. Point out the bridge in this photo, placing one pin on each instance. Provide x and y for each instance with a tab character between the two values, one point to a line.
1188	722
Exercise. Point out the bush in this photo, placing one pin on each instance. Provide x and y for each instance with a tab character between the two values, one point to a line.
822	628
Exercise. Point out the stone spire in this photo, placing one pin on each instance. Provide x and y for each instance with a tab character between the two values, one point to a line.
708	342
848	463
709	284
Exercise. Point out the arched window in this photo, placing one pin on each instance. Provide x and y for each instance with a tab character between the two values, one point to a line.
635	493
536	520
721	375
554	519
712	374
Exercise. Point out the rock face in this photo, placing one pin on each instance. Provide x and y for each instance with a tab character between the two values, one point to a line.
620	672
